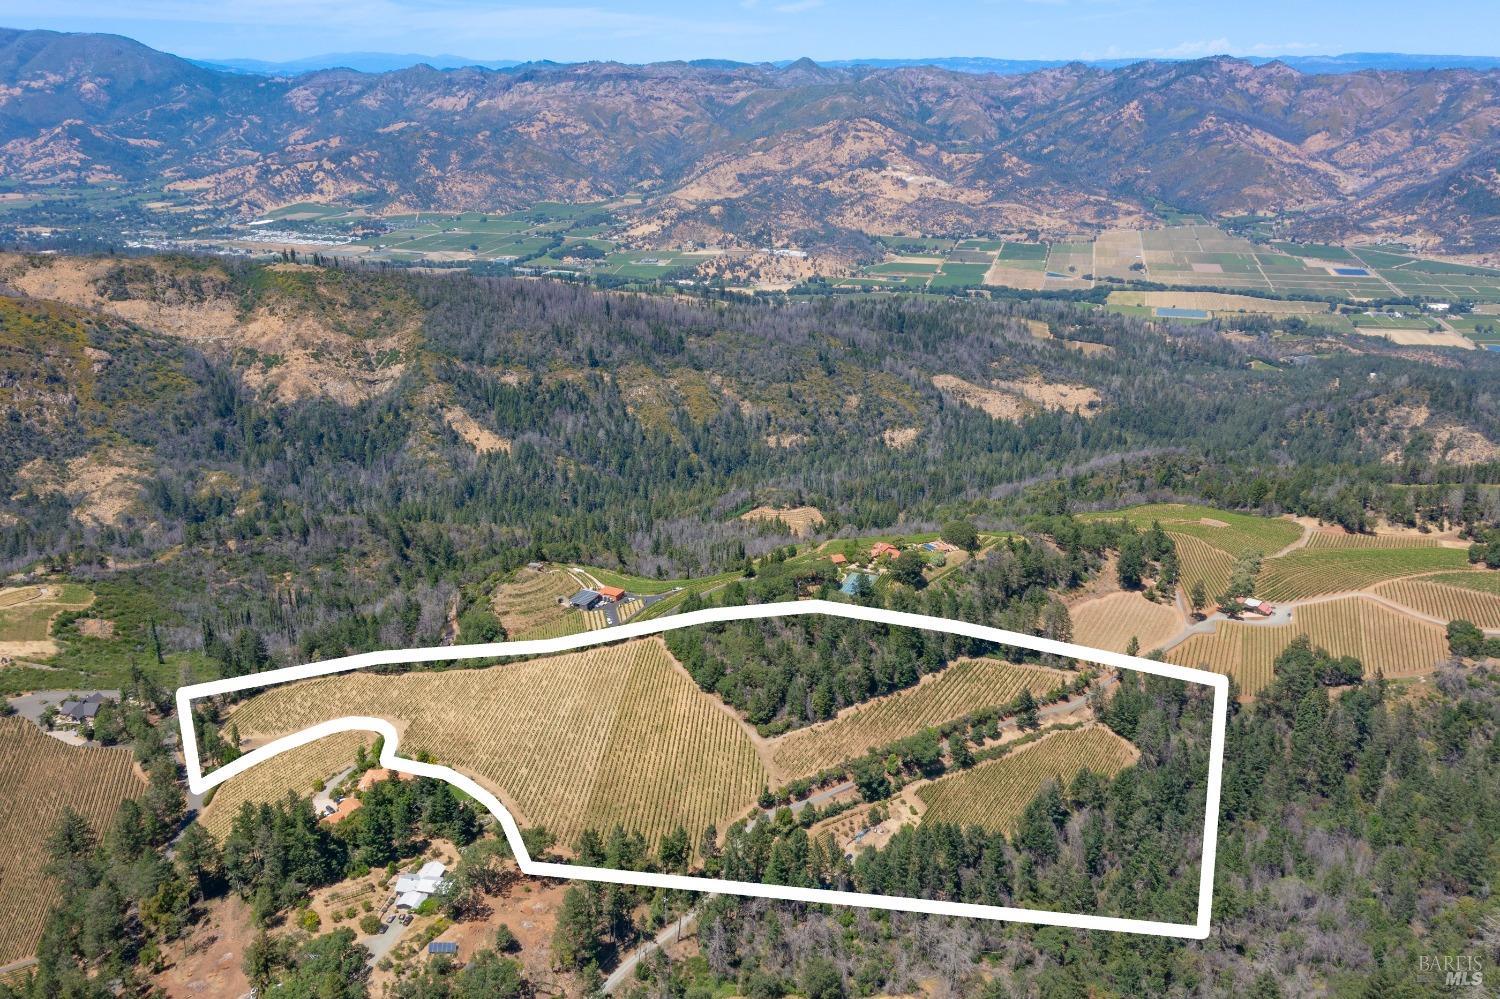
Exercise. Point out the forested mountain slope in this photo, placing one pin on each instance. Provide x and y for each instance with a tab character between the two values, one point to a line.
313	436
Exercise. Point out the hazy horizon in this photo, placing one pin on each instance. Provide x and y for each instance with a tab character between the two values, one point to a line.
778	30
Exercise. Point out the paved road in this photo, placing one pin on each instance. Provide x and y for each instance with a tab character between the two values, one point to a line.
671	934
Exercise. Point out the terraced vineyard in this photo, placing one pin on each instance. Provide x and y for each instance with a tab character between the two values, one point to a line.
303	770
1428	595
1310	572
585	739
1110	622
993	795
527	606
48	776
1385	640
966	686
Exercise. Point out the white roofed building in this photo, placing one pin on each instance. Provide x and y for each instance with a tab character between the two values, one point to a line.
414	889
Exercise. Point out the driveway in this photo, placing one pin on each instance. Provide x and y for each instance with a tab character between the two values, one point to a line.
382	944
32	705
669	935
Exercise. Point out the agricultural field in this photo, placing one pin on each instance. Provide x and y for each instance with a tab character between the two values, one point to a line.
1310	572
1433	596
27	613
1235	533
1384	640
1215	303
1336	538
301	770
965	687
993	795
1110	622
617	734
1200	562
527	605
49	776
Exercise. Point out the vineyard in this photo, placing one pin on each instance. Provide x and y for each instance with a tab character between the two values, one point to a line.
1201	562
608	735
1384	640
527	606
1110	622
993	795
1340	539
303	770
1310	572
48	776
1234	533
964	687
1438	599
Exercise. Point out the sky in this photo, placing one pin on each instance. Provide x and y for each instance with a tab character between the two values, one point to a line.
754	30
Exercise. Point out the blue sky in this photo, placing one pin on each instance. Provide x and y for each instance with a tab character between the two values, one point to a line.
648	30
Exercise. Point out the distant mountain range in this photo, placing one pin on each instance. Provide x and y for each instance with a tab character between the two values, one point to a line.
725	153
385	62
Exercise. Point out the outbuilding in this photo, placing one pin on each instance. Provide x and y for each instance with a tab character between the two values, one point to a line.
585	599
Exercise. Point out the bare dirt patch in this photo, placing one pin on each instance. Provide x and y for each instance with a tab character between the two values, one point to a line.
209	961
95	627
479	437
287	352
1078	399
993	403
786	441
528	907
800	520
103	485
897	438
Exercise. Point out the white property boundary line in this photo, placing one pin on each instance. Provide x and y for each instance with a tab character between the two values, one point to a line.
1198	930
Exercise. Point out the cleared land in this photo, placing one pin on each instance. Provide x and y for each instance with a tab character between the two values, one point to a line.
800	520
1384	640
1427	595
993	795
1111	621
27	612
992	402
49	776
303	770
1311	572
1214	302
964	687
609	735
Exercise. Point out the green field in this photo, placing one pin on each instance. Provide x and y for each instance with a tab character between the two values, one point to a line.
1315	571
1234	533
